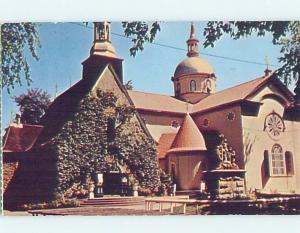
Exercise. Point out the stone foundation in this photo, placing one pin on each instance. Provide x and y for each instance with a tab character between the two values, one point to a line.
225	184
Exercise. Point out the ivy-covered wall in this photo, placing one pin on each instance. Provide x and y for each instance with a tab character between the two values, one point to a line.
84	146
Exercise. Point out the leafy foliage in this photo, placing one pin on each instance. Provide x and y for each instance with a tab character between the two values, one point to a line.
128	85
141	32
15	37
82	148
284	33
33	105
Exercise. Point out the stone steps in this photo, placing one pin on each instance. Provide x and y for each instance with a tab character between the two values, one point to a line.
113	201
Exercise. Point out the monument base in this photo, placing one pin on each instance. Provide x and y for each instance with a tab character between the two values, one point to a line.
225	183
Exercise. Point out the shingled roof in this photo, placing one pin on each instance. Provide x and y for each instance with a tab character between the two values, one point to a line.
21	138
164	144
158	103
189	138
163	103
237	93
64	106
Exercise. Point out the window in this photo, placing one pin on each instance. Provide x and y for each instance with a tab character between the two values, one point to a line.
206	122
178	89
208	86
266	163
111	125
175	124
231	116
192	85
289	163
277	160
173	173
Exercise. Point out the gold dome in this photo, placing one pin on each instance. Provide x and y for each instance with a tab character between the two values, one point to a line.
193	65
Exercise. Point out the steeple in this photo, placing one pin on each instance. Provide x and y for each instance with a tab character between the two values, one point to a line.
102	40
192	43
102	53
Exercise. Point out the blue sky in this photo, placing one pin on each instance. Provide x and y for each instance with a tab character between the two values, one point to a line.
66	45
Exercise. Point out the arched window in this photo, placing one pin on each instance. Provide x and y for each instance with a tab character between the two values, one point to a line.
178	89
193	85
277	160
208	85
107	33
111	129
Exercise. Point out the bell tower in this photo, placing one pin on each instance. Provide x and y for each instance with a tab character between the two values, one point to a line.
102	53
102	40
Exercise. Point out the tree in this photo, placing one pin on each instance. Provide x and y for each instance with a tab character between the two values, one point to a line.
285	33
33	105
141	32
128	85
15	38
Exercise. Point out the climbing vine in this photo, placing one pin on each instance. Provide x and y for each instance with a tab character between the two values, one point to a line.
84	146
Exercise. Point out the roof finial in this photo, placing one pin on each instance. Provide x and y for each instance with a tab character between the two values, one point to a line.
192	35
267	70
192	42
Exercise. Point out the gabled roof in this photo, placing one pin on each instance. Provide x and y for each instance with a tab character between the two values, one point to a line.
21	138
238	93
158	103
64	106
229	95
189	138
164	144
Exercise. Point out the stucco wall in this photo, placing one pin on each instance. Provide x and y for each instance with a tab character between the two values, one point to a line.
160	124
189	168
200	83
257	140
231	129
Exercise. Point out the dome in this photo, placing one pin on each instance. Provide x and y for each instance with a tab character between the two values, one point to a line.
193	65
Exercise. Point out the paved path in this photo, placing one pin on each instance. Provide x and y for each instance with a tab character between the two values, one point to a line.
96	211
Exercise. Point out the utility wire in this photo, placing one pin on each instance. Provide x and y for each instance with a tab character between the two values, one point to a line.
181	49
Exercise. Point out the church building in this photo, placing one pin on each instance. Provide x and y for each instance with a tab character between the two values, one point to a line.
227	142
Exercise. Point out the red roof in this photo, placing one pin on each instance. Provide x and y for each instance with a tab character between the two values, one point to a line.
164	144
21	138
158	103
188	138
233	94
164	103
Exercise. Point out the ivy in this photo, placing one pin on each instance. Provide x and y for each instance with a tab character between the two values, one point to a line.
81	146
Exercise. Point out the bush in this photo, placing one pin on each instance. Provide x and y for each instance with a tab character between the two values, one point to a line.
59	203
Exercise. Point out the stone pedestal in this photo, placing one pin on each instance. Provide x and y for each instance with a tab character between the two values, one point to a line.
225	183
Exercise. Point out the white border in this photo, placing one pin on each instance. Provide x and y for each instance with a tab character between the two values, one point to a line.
175	10
118	10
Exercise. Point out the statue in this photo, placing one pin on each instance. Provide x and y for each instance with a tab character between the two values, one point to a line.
225	154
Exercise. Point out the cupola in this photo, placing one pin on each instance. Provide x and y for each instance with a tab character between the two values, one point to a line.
102	53
194	77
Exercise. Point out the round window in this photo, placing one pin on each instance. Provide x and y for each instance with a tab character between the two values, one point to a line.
175	124
205	122
231	116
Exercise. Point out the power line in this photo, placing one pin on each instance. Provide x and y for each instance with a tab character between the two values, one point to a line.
181	49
